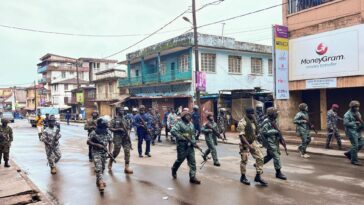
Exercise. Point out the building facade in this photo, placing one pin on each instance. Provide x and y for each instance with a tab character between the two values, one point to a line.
326	46
163	75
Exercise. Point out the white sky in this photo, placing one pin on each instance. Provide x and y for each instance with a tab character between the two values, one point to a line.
20	50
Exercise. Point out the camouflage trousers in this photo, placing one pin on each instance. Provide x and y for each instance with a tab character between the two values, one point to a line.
122	141
185	151
53	155
4	150
305	140
274	153
211	148
256	154
99	160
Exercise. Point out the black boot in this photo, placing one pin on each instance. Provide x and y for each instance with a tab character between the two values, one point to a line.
259	179
280	175
7	165
194	180
348	155
244	180
217	164
174	173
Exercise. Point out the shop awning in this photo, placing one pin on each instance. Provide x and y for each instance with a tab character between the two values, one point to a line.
159	97
121	99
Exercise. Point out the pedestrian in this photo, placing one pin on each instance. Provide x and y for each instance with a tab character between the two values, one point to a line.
128	117
134	114
184	132
171	121
259	113
45	121
91	126
332	129
156	126
222	122
303	129
196	120
6	138
271	134
164	122
39	123
68	117
210	129
50	137
100	141
353	126
248	130
144	127
121	138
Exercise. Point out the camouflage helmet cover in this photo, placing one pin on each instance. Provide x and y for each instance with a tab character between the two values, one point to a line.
354	103
302	106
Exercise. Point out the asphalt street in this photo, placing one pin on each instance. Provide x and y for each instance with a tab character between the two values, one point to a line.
318	180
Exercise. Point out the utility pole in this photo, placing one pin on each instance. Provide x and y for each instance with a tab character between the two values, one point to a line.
35	97
195	36
78	80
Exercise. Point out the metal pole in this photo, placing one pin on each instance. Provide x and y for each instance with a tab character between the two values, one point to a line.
35	97
195	36
78	81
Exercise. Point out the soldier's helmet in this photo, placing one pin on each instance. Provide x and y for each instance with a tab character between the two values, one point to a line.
209	114
195	107
259	105
52	118
222	109
3	120
249	111
126	109
186	109
184	114
141	107
101	122
302	106
354	103
135	110
272	112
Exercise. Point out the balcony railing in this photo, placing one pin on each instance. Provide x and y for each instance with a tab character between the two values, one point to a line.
154	78
42	80
299	5
42	69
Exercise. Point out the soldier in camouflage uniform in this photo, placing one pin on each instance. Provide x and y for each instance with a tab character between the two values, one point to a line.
211	138
156	126
91	126
6	137
184	131
353	125
101	141
120	127
332	129
50	137
303	129
222	121
271	134
248	129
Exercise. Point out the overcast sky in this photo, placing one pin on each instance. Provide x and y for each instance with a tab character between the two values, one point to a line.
20	50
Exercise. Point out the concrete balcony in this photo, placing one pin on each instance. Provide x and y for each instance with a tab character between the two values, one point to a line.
110	74
42	69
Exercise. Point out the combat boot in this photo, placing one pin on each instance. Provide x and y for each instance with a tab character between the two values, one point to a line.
7	165
53	170
110	164
348	155
127	169
101	185
194	180
244	180
259	179
280	175
217	164
356	163
306	156
174	173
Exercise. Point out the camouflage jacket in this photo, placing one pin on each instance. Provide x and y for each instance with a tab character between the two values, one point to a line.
332	119
207	131
260	117
119	122
6	135
181	129
90	125
172	119
351	127
103	139
267	129
222	121
248	129
299	121
51	136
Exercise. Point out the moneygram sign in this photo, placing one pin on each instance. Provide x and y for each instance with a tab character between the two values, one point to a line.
330	54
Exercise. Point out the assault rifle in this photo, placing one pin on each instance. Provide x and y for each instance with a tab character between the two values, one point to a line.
215	132
194	144
359	119
309	123
144	125
282	141
94	140
123	126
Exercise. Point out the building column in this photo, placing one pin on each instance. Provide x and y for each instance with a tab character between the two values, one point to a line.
142	68
323	109
129	74
158	66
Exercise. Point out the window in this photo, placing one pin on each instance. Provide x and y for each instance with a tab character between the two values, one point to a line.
256	66
162	68
97	65
208	62
55	87
183	63
66	87
136	73
91	94
270	67
72	73
234	64
63	74
81	75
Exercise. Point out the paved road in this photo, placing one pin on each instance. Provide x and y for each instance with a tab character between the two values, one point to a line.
319	180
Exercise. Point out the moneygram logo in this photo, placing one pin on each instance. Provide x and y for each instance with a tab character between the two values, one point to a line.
321	49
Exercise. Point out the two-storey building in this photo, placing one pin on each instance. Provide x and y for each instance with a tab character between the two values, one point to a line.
163	75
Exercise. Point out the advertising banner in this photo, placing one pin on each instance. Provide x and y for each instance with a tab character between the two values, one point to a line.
79	97
201	81
321	83
280	56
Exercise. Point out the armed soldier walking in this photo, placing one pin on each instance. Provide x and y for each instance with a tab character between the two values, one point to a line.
91	126
100	141
222	121
332	129
196	121
353	125
6	137
143	124
211	130
51	137
171	121
303	129
185	134
272	135
120	127
248	129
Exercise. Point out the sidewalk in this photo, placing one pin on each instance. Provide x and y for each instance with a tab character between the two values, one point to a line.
232	138
16	188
